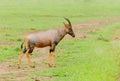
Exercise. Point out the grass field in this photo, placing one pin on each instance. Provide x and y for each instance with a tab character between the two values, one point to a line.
95	58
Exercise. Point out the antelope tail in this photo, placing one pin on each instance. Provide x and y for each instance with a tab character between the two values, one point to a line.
22	45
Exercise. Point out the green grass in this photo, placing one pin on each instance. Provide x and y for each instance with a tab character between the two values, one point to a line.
40	14
91	59
8	52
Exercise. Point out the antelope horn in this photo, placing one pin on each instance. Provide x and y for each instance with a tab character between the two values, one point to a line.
67	20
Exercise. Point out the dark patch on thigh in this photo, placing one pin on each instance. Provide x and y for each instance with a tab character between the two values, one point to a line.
24	51
31	48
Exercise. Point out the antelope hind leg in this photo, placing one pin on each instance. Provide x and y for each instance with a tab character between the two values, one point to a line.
29	60
20	59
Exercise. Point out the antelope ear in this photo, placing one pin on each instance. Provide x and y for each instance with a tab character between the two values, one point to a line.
65	25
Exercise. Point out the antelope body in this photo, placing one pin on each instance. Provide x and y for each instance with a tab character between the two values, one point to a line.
45	38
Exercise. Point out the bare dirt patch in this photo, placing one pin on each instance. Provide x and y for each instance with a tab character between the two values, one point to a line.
10	72
117	35
8	43
10	67
83	30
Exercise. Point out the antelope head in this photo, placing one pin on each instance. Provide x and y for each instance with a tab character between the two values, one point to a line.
68	28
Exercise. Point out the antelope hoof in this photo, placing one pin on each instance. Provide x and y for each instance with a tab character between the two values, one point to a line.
32	66
18	66
48	64
51	65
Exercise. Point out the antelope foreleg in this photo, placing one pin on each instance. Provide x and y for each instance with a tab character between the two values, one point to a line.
51	61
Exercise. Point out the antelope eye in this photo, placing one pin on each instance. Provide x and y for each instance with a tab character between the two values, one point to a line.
70	29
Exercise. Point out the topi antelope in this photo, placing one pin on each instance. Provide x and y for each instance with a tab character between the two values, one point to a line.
42	39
